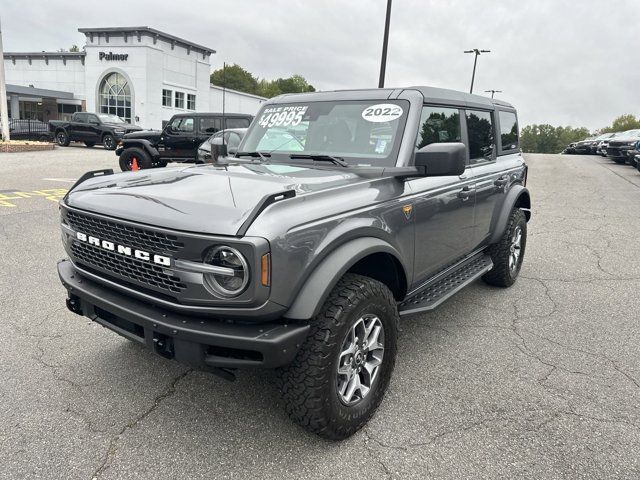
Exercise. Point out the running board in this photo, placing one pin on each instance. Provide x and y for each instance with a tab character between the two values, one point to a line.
444	286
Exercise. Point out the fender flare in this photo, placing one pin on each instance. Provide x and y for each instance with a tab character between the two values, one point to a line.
140	142
517	194
326	275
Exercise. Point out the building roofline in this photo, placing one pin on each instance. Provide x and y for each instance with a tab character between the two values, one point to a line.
147	31
38	92
45	54
218	87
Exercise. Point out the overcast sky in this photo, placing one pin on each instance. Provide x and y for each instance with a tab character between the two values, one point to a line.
560	62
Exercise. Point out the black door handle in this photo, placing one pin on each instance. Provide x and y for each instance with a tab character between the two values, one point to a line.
501	182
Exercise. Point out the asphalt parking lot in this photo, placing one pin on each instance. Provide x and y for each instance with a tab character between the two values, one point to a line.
538	381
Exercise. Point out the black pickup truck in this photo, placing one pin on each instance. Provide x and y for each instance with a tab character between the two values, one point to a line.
92	129
178	141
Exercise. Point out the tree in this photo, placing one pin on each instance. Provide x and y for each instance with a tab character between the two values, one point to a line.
622	123
546	138
236	78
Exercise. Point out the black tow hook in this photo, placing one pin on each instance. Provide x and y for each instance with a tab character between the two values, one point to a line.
73	304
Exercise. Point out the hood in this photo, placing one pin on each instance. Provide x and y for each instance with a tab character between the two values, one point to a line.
205	198
146	134
126	126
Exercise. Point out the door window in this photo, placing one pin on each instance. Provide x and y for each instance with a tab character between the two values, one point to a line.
236	122
508	131
80	118
182	125
210	125
481	138
92	119
438	125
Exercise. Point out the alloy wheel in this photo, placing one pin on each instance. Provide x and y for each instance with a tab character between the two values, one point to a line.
515	250
360	359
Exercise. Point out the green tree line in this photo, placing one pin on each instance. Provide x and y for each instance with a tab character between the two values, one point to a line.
546	138
237	78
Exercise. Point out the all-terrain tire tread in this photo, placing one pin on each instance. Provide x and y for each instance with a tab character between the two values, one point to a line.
305	381
499	275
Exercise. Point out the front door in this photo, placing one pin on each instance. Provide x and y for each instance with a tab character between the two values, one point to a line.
180	138
444	206
93	130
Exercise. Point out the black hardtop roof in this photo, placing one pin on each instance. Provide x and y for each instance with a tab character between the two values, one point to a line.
430	94
213	114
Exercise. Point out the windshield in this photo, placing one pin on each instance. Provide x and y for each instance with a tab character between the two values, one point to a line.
109	118
360	132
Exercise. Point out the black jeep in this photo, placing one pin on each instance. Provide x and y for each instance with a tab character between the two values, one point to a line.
177	142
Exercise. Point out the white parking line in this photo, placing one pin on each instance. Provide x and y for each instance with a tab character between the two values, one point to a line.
65	180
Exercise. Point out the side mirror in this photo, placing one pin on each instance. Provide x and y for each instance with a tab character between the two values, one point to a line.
218	150
168	128
441	159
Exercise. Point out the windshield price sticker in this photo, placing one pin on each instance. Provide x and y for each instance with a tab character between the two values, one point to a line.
382	112
283	116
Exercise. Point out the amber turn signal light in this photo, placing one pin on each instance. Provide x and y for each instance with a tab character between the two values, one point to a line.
265	276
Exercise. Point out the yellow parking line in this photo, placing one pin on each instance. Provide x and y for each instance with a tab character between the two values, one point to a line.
53	194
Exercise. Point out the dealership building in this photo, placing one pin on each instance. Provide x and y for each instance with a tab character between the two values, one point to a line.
138	73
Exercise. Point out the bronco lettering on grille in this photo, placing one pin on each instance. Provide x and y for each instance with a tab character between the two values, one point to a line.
124	250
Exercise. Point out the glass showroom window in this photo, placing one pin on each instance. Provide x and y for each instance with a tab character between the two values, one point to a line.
191	101
179	100
115	96
166	98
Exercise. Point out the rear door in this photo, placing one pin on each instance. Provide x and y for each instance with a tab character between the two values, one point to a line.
78	126
443	206
181	139
93	130
490	163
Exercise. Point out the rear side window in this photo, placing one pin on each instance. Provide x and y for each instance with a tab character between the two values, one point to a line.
210	124
481	139
237	122
80	117
508	131
438	125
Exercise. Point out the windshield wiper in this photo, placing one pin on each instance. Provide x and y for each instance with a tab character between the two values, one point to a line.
320	158
263	156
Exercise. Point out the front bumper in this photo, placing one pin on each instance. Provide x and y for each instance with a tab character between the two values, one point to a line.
197	341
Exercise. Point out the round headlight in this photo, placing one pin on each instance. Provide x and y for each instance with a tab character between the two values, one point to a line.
233	271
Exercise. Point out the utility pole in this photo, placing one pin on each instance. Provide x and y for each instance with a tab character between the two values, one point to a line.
493	92
4	114
475	61
385	42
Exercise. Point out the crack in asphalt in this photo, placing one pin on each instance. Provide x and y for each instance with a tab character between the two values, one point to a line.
366	440
112	449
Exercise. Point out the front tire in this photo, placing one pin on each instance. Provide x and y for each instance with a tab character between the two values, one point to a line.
508	253
341	372
109	142
129	155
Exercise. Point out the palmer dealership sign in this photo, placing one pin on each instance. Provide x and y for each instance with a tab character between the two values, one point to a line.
113	56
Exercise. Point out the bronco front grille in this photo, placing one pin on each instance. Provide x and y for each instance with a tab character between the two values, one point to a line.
142	238
127	267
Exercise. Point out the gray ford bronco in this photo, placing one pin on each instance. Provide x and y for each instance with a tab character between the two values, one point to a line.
340	213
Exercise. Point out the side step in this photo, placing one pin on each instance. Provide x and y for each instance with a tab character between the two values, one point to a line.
445	285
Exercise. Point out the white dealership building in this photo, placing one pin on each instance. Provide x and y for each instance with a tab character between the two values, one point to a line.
138	73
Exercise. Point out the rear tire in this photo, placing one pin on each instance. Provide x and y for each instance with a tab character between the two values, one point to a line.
342	370
508	253
127	157
618	160
109	142
62	138
89	144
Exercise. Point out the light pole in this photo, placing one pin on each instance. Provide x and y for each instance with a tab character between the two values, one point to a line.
4	114
385	41
493	92
475	61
